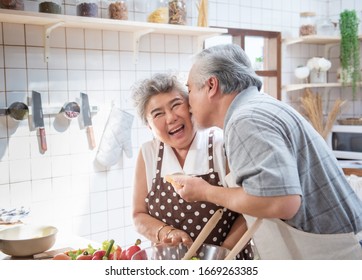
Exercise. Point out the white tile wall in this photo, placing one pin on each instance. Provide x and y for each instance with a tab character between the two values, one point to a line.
65	186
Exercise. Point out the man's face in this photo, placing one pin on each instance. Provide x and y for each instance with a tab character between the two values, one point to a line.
199	102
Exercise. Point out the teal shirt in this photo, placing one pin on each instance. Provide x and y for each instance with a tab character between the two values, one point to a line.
274	151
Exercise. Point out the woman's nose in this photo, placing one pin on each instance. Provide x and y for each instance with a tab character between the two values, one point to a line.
170	117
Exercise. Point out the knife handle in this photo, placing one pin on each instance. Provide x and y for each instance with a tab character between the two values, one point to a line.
43	140
92	141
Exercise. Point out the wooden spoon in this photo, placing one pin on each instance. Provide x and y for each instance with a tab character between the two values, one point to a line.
244	239
203	234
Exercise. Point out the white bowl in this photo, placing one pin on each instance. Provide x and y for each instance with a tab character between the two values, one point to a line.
166	252
27	240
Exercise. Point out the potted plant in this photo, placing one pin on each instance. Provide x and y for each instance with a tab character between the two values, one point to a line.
349	48
318	67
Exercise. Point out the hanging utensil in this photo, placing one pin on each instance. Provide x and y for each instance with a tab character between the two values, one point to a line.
18	111
70	110
244	239
203	234
87	118
38	119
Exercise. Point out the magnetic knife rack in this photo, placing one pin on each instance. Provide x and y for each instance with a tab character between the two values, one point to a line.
48	110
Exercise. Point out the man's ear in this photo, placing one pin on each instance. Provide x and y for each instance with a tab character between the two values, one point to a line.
213	86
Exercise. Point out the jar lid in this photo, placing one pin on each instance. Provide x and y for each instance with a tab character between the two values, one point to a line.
307	14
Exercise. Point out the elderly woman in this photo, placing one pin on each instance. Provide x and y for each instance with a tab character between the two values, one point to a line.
159	213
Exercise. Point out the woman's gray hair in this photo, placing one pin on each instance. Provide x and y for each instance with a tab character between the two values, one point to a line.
158	83
229	64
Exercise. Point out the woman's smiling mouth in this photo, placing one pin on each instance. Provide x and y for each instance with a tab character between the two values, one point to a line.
176	130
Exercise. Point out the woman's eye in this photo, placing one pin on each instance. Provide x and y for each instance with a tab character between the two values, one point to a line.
176	105
157	115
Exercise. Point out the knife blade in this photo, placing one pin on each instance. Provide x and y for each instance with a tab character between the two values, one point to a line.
38	119
87	119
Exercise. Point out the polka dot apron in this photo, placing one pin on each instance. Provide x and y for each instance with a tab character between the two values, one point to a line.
166	205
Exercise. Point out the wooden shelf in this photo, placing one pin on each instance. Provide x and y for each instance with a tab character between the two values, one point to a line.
139	29
293	87
313	39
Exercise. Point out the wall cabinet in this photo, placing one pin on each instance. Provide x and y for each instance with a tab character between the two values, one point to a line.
138	29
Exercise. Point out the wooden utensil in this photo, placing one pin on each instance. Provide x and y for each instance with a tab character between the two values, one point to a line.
203	234
244	239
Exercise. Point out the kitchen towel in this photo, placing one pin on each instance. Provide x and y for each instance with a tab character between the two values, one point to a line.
116	137
13	215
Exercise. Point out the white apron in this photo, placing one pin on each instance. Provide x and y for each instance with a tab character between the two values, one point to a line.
276	240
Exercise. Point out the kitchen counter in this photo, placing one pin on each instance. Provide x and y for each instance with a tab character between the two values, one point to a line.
64	242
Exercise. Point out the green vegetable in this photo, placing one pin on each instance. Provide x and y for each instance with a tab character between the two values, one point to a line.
110	246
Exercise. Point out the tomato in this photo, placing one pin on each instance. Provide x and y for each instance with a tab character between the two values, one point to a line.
83	257
127	254
98	255
61	256
117	253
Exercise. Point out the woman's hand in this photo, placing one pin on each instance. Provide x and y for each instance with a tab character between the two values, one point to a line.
175	236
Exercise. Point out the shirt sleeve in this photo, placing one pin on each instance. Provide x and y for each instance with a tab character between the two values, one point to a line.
261	158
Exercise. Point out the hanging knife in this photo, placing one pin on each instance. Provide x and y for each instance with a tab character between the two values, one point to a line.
87	118
38	119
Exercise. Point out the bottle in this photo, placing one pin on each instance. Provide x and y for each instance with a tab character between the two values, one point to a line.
177	12
12	4
307	24
50	6
118	9
158	11
87	8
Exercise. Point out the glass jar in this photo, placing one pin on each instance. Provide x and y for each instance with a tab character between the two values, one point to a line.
325	27
158	11
177	12
87	8
50	6
118	9
12	4
307	24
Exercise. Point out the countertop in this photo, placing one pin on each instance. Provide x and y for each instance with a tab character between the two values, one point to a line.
64	242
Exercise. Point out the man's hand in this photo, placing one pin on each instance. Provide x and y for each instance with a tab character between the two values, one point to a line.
193	188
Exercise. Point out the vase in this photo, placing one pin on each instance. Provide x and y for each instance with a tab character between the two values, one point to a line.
318	77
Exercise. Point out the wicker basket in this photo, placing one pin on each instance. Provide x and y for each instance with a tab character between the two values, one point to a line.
350	121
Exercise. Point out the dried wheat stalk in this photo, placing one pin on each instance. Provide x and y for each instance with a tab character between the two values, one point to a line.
312	104
202	7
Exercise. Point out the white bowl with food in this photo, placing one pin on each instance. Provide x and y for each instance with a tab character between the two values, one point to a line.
27	240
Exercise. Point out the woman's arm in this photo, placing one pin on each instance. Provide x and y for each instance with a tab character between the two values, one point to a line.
150	227
237	230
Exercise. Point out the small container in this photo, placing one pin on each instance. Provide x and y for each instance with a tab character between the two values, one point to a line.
325	27
50	6
318	77
177	12
87	8
118	9
158	11
307	24
12	4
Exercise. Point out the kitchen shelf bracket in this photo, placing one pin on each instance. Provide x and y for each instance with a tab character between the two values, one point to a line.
137	35
47	30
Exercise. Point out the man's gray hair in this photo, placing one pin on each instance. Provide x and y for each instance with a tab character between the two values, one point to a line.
158	83
229	64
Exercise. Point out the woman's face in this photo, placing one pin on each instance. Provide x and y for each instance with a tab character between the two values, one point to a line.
169	118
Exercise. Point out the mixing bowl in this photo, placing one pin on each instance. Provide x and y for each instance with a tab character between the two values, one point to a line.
166	252
27	240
